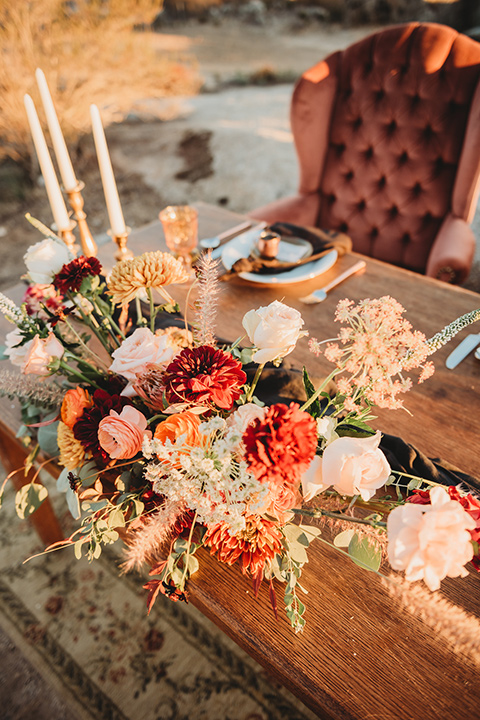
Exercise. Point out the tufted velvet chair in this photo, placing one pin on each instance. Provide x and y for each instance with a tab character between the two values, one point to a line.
387	134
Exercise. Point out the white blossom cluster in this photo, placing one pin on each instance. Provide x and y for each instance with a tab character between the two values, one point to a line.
211	480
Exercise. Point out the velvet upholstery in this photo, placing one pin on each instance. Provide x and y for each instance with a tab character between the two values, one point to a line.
387	134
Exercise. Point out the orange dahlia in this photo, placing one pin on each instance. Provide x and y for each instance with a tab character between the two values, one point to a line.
73	405
257	544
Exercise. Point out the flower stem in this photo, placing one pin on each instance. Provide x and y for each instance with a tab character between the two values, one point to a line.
152	309
255	381
84	346
91	322
76	373
318	513
187	554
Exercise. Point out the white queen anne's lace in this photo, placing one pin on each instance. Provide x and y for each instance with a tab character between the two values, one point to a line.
211	480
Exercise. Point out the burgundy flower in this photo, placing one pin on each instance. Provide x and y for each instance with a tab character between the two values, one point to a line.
204	375
471	505
280	446
419	497
70	276
85	429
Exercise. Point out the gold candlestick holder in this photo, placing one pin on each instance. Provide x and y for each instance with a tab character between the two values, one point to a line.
123	253
89	246
67	236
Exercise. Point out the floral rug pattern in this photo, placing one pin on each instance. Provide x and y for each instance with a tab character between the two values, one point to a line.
90	628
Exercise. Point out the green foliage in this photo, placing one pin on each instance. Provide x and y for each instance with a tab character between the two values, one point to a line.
365	552
314	409
29	498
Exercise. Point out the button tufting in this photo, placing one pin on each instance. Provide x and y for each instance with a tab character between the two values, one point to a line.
361	205
374	233
417	189
406	238
438	166
403	158
331	198
368	153
379	95
393	211
349	176
343	227
382	182
340	148
428	132
357	123
391	127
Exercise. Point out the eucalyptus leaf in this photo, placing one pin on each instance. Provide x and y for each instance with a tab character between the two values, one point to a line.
343	539
29	498
2	353
47	436
365	553
298	553
193	564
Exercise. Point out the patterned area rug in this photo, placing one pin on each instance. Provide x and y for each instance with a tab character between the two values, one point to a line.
85	629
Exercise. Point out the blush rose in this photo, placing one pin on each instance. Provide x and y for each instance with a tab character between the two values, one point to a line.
121	435
430	542
273	330
354	466
34	356
141	349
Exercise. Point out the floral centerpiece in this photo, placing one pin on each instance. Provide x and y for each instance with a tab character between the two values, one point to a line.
165	445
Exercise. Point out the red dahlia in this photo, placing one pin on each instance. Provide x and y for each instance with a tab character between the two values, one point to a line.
280	446
204	375
70	276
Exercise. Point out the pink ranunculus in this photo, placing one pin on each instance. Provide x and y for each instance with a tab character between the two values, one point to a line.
430	542
141	349
239	420
121	435
355	466
280	500
40	353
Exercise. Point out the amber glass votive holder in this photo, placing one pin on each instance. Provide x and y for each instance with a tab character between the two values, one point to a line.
180	226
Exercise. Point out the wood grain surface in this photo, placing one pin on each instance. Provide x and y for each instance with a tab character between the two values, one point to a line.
362	654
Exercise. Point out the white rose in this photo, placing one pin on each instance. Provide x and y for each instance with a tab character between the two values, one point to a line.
45	259
326	428
16	354
312	480
273	330
430	542
141	349
355	466
40	354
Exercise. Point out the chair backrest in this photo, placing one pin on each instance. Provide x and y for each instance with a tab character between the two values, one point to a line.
379	131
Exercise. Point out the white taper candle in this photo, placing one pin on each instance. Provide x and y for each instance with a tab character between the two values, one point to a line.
115	214
63	158
55	197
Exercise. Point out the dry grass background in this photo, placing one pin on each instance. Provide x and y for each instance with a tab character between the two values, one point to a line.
92	51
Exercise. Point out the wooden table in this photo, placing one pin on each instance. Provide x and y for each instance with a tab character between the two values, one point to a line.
362	655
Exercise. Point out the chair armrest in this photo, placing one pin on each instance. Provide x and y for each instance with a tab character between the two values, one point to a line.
297	209
452	253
